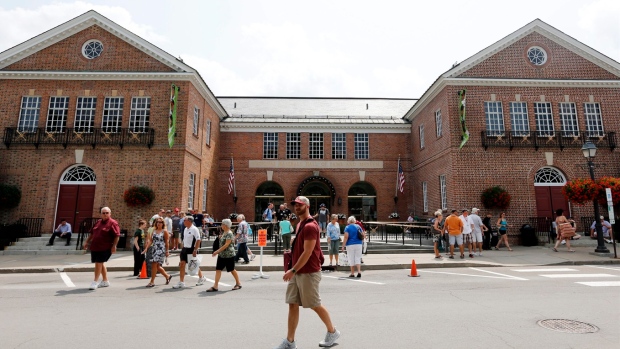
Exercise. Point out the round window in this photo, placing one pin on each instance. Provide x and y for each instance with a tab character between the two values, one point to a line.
92	49
537	55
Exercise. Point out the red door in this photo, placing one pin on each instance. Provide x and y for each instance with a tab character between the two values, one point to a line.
548	200
75	203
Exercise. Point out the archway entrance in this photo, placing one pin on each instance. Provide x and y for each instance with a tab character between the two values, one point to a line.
267	192
363	201
76	195
548	185
318	193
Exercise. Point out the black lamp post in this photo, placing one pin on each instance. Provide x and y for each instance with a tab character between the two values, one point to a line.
589	152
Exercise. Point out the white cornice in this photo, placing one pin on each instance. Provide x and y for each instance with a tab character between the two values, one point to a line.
315	127
192	77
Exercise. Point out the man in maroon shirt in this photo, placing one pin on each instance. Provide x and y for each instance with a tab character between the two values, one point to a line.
102	241
304	277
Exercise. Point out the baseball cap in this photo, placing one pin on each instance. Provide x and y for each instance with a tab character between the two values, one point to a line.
168	211
474	210
602	217
176	209
322	205
301	200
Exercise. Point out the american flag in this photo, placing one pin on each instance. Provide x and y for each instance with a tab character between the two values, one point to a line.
401	178
231	178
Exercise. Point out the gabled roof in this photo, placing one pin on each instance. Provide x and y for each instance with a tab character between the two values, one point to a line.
88	19
452	75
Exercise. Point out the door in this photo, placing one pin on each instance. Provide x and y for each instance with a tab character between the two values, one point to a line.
548	200
75	203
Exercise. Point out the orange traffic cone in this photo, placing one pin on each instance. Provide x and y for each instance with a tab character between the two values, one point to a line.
414	270
143	272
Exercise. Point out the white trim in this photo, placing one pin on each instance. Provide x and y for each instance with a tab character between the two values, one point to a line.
550	184
312	128
314	164
61	181
89	19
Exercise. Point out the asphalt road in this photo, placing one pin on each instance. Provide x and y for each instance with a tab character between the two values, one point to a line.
443	308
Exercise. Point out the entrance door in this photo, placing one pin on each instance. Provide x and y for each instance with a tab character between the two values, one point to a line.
76	196
548	188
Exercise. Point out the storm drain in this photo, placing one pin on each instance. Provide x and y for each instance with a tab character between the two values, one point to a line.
567	326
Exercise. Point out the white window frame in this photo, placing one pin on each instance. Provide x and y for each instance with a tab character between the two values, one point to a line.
544	119
112	118
196	121
494	118
293	145
315	148
519	119
425	196
444	192
593	119
569	124
192	185
438	123
140	114
421	131
205	183
85	108
29	114
270	145
57	114
339	146
208	133
361	146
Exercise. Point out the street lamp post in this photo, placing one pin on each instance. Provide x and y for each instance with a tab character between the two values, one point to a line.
589	152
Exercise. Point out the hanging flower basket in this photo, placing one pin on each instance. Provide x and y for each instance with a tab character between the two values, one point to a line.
495	197
581	190
10	196
232	217
138	196
394	215
612	183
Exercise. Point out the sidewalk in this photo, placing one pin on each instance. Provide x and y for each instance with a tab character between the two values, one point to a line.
520	256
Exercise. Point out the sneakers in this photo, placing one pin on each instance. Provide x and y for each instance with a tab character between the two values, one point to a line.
179	285
471	255
286	345
93	285
330	338
608	241
479	254
201	281
104	284
251	259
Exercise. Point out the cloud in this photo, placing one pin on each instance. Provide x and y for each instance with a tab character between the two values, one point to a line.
601	20
28	23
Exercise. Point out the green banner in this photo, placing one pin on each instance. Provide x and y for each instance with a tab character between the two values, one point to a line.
172	116
464	132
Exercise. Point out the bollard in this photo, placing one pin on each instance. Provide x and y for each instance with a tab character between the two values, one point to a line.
143	272
414	270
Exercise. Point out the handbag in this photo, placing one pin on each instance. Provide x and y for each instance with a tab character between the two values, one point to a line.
360	234
343	260
193	264
567	230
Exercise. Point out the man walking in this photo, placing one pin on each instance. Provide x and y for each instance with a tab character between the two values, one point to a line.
477	231
191	244
268	217
467	230
63	230
454	226
176	229
304	277
321	216
102	241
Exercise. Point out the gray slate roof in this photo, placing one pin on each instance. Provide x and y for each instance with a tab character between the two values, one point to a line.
316	110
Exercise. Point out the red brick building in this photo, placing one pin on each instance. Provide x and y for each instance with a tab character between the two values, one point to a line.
84	115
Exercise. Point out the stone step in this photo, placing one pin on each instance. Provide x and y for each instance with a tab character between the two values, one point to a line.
57	242
41	252
40	247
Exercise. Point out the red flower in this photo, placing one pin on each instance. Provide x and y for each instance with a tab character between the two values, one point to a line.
139	196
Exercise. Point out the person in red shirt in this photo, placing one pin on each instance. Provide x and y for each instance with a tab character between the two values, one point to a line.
102	241
305	275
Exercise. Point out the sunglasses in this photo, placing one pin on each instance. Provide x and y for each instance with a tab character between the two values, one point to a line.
105	212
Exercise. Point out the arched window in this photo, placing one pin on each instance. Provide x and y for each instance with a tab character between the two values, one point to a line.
363	201
549	176
267	192
79	174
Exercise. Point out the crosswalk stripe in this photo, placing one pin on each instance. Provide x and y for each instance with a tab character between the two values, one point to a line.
66	279
472	275
607	268
500	274
351	279
577	275
543	270
600	283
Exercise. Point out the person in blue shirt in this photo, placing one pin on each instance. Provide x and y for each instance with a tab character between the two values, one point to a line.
285	230
333	239
354	245
63	230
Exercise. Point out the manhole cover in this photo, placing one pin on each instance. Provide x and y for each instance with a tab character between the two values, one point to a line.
567	326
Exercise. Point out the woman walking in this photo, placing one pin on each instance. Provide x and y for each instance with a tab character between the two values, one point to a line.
503	231
138	247
225	257
159	240
353	242
285	231
333	239
561	219
437	232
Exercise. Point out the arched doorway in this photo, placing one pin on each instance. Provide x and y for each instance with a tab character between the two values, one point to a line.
267	192
76	195
363	201
548	184
319	190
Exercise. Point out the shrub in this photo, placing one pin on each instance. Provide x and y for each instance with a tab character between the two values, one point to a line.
10	196
137	196
495	197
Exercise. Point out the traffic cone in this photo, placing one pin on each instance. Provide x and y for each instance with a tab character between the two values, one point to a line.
143	272
414	270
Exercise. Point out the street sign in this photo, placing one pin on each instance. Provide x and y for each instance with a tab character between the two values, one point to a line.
610	206
262	237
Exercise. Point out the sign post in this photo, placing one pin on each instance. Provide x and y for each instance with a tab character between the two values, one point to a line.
262	242
612	218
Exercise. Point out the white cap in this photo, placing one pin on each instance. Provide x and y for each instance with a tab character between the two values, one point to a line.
474	210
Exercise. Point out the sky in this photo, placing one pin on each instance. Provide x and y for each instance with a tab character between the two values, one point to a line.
381	48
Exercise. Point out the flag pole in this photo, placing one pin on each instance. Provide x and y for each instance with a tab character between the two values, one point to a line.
396	192
232	161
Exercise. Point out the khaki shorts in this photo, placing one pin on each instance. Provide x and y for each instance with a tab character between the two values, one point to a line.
303	289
